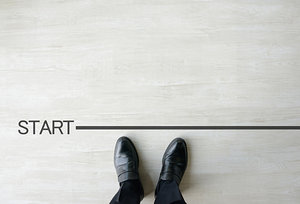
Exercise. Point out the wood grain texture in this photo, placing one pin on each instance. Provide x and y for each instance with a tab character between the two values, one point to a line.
173	62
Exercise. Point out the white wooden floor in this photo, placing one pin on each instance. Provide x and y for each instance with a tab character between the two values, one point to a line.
172	62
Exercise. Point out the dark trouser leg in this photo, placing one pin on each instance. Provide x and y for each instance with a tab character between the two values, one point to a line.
168	192
129	193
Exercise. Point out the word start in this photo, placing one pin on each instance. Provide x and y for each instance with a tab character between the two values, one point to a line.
44	126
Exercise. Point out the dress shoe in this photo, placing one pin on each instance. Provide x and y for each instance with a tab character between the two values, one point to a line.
174	161
126	160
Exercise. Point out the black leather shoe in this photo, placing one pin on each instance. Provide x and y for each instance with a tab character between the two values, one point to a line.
174	161
126	161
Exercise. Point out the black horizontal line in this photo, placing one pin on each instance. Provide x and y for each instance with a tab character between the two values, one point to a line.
175	127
